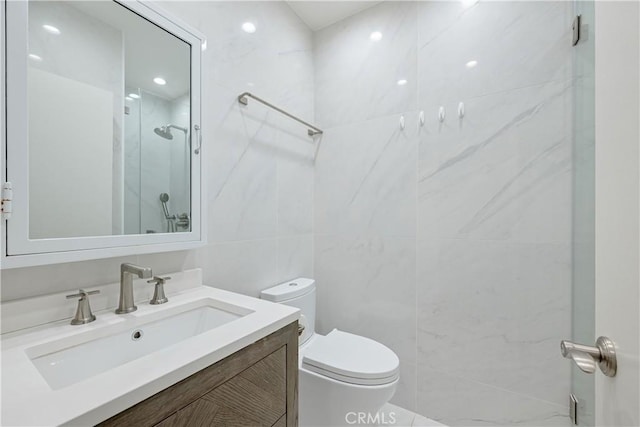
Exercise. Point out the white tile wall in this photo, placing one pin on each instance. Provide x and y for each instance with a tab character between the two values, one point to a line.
355	77
366	178
366	286
450	242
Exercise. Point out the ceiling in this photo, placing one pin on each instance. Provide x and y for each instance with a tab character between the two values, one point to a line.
149	51
320	14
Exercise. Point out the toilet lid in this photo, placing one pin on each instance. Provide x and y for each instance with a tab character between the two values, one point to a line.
351	358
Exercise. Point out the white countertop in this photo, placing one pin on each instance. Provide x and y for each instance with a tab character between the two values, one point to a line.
27	399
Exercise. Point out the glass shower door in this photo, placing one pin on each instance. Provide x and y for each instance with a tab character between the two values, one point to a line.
583	277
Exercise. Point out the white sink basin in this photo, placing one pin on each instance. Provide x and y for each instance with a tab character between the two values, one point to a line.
83	375
66	362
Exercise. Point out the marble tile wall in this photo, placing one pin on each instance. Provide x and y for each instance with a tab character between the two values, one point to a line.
450	242
72	54
260	166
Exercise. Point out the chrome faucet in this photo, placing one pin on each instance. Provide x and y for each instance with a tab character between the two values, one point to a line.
127	271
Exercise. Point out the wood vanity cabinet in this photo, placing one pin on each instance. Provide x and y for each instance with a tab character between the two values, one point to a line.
256	386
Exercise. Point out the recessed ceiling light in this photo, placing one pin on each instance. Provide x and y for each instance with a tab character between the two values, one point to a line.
160	81
402	82
471	64
134	95
35	57
128	98
51	29
249	27
376	36
468	3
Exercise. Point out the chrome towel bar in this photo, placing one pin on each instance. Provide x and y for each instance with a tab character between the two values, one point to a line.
243	99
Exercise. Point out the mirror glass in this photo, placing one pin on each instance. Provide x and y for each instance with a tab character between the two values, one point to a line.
109	97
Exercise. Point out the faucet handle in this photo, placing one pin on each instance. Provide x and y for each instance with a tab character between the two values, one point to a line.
82	294
158	294
159	280
83	312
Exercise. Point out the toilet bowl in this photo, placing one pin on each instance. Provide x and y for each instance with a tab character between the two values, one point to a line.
341	375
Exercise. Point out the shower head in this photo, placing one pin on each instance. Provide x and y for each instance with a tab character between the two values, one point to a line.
165	132
164	198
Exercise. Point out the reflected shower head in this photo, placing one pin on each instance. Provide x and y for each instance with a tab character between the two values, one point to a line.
164	131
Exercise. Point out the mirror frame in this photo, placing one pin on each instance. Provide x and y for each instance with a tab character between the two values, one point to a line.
17	249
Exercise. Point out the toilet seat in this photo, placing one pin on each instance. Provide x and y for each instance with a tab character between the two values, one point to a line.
352	359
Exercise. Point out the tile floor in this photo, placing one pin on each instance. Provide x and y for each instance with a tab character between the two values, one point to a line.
405	418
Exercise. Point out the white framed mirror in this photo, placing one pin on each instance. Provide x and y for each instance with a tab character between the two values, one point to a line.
102	133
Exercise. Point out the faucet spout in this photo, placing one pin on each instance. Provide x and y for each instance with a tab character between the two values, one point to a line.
127	272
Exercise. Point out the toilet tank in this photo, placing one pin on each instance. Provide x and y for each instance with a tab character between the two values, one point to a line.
299	293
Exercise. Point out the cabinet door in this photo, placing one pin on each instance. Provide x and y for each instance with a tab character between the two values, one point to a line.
203	413
255	397
258	393
256	386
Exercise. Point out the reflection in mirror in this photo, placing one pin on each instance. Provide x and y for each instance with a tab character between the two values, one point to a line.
109	119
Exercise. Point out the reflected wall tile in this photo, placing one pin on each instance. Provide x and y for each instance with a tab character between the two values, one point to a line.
357	78
366	179
366	286
155	162
500	305
506	40
132	168
460	402
180	157
503	172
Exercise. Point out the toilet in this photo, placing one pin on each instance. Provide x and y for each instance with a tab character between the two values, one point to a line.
343	377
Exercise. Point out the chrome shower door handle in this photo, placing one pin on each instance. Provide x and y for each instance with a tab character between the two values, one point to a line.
584	360
586	357
199	137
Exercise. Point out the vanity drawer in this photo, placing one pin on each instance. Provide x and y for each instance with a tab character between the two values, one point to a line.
256	386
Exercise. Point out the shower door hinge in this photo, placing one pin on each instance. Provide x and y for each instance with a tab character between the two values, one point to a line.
575	30
573	409
7	197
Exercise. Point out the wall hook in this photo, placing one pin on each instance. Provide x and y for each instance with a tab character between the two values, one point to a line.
441	114
461	110
402	122
421	118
